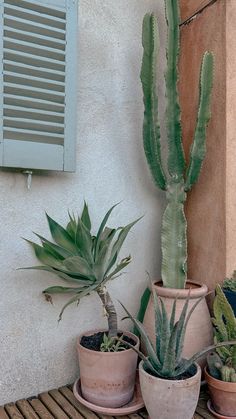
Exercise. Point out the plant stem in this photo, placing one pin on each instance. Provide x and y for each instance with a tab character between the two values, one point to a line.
110	311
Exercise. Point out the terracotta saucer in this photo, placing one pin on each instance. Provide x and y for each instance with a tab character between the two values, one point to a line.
133	406
217	415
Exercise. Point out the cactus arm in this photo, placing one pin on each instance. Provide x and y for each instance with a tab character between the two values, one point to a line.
176	159
198	150
151	126
174	240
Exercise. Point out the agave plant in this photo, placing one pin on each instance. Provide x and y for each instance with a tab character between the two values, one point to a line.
83	260
176	179
165	359
222	365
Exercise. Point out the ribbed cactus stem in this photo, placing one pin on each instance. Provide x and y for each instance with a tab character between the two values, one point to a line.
178	181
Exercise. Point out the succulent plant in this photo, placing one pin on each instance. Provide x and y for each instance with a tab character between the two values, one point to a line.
230	283
165	359
222	365
179	179
83	260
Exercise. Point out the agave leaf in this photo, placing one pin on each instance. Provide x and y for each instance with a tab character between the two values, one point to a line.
148	345
181	329
158	324
44	256
79	265
77	298
169	363
106	236
84	242
102	226
173	314
165	332
142	309
119	242
80	280
71	227
123	263
60	290
54	248
61	236
85	218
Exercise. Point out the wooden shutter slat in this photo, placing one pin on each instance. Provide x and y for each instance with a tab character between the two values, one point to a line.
32	14
34	70
34	26
41	8
32	102
30	80
32	48
38	39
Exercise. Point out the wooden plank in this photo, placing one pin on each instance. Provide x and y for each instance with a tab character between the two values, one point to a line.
204	413
52	406
68	394
65	405
3	414
40	409
12	411
26	409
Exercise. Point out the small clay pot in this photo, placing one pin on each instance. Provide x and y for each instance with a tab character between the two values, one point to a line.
170	399
223	395
199	333
108	378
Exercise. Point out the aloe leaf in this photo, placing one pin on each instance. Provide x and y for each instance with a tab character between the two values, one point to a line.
173	314
102	226
181	328
148	345
165	332
158	324
169	362
85	218
61	236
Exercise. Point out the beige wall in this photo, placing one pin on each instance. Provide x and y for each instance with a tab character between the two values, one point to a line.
36	352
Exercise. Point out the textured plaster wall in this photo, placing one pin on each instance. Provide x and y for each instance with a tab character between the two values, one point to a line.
35	352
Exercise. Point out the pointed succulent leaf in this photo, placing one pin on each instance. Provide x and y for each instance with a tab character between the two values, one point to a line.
76	264
44	256
79	280
85	218
71	227
165	332
61	236
176	159
169	363
77	298
60	290
158	324
142	309
84	242
151	126
101	228
123	263
198	150
56	250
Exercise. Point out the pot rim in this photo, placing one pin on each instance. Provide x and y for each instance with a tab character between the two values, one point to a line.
91	332
198	291
177	382
219	384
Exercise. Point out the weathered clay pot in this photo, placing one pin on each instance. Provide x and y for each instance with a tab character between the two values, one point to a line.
170	399
108	378
199	332
223	395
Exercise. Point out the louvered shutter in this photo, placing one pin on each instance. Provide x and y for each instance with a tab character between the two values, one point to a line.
38	48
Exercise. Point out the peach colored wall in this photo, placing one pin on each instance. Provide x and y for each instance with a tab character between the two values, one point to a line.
231	137
190	7
206	205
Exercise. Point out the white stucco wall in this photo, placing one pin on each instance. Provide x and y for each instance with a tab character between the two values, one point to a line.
36	353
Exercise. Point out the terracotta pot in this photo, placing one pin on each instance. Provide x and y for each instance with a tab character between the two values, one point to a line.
199	333
170	399
107	378
223	395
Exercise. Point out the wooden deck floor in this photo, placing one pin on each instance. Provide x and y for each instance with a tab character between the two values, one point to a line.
61	404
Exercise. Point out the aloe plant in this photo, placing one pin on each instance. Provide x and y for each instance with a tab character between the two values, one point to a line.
177	179
164	359
222	365
86	262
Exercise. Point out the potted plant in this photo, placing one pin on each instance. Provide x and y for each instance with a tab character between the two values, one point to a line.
221	371
175	178
170	384
86	262
229	288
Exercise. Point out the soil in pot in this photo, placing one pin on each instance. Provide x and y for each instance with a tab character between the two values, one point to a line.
199	332
93	342
107	378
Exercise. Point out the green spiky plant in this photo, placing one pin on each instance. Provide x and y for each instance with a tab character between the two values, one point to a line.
230	283
164	359
179	179
86	262
222	365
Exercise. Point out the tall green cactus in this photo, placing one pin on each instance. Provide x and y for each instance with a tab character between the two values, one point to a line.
179	179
